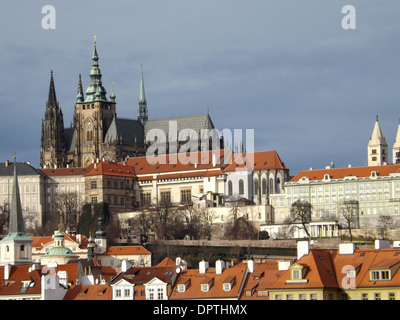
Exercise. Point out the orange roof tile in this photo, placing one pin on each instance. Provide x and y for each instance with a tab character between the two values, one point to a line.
126	250
340	173
216	290
89	292
66	171
109	168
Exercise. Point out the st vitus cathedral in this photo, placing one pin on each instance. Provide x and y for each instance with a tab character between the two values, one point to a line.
96	132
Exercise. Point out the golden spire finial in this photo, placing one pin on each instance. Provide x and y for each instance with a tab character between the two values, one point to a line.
94	39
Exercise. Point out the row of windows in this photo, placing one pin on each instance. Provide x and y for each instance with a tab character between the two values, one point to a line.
343	187
27	189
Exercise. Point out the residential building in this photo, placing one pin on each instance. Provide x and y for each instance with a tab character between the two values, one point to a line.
112	183
69	182
145	283
207	283
31	184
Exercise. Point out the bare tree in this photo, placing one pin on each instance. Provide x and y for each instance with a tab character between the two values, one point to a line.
67	207
348	215
238	229
300	212
4	216
384	224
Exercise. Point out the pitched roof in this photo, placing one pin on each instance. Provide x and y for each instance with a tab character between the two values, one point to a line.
128	130
142	275
66	171
89	292
320	273
341	173
261	160
23	169
195	122
216	289
109	168
126	250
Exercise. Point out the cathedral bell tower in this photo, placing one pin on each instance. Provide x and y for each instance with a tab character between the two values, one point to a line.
93	116
377	147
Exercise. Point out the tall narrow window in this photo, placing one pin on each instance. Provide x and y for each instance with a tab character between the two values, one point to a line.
230	188
241	187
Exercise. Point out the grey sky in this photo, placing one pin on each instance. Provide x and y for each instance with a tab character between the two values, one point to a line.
286	68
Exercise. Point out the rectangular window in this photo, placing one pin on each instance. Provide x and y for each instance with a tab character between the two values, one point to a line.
186	196
127	292
118	292
364	296
392	296
377	296
146	199
93	184
165	197
160	294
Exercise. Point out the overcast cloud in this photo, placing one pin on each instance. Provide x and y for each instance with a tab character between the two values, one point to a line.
285	68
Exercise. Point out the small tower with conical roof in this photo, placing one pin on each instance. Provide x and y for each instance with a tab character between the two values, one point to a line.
16	247
396	147
377	147
142	108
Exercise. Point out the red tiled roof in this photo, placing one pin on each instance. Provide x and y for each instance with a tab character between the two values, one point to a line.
216	289
89	292
109	168
126	250
340	173
66	171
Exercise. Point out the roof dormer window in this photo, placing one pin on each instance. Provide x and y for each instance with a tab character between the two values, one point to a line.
297	274
206	284
229	283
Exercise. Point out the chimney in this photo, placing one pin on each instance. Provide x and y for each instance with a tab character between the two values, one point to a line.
303	247
203	266
7	270
250	265
283	265
125	265
347	248
214	159
382	244
219	267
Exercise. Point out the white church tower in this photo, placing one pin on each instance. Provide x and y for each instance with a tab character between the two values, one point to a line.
377	147
396	147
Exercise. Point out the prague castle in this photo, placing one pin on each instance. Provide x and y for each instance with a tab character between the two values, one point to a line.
97	133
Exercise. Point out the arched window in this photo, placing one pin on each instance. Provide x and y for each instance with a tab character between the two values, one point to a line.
241	187
264	186
230	188
271	185
256	186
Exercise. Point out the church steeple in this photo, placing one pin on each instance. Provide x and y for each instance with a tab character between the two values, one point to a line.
396	147
16	247
53	144
79	96
377	147
52	99
142	109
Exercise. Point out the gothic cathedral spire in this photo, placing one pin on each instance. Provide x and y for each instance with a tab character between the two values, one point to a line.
142	109
53	146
